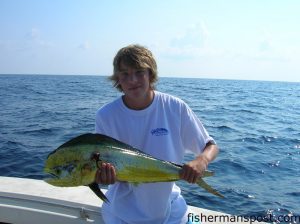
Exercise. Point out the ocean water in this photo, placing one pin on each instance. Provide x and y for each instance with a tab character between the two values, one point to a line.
256	125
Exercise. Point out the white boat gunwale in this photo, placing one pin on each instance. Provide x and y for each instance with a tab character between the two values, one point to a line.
32	201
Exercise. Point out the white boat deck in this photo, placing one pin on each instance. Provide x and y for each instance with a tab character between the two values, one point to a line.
30	201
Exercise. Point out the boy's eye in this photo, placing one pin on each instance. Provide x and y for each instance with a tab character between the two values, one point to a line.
140	72
123	74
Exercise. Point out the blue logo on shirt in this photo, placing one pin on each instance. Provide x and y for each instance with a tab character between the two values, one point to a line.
159	131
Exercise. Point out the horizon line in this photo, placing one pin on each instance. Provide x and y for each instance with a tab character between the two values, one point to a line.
179	77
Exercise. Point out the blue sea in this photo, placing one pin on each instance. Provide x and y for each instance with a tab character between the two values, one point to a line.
256	125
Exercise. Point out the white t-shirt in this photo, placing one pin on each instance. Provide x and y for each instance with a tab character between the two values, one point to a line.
165	130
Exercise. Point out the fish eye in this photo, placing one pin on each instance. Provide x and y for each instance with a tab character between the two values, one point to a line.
57	171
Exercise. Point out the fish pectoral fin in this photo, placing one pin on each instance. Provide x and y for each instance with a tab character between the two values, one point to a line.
95	188
204	185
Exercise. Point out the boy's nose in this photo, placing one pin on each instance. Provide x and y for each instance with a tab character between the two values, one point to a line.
132	77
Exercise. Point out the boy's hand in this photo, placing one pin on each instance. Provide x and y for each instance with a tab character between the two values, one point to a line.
194	169
106	174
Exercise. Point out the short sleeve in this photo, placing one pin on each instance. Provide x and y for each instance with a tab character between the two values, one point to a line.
194	135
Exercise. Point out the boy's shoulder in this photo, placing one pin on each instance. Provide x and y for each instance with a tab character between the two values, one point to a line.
109	107
168	98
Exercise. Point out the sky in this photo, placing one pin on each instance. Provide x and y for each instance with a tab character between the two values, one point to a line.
219	39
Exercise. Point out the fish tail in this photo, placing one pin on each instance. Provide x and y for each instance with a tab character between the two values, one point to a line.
204	185
95	188
208	173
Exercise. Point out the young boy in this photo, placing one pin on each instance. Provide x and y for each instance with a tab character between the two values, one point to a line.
158	124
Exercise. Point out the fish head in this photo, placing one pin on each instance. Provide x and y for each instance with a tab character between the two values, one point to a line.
68	168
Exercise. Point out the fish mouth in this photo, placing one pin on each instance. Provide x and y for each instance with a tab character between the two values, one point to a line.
50	176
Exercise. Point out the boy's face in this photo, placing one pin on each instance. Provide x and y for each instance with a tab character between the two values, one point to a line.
134	82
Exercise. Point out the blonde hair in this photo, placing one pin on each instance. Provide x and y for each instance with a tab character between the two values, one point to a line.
134	56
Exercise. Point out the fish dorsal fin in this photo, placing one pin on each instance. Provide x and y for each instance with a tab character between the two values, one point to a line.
95	139
89	138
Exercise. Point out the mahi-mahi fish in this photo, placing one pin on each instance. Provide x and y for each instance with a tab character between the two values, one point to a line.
75	164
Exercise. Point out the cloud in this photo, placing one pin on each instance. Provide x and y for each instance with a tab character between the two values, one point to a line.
194	36
34	34
191	43
34	39
265	45
85	45
266	42
269	48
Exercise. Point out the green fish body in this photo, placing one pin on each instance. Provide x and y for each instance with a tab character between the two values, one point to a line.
75	163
